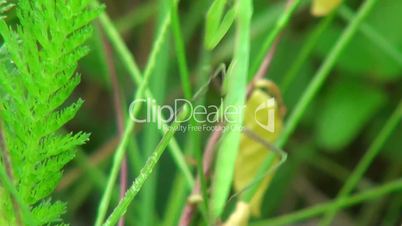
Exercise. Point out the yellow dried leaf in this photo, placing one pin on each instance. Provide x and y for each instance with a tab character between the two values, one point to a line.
252	153
324	7
240	216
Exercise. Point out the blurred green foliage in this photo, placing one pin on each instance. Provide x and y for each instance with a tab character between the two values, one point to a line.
345	117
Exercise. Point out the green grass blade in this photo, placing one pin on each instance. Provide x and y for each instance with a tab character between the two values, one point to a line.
181	54
216	27
96	177
261	24
305	53
146	171
324	71
364	163
176	200
269	40
137	16
319	209
129	62
235	82
140	93
158	86
320	77
374	36
127	58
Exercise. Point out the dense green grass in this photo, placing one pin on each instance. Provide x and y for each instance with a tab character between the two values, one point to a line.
340	77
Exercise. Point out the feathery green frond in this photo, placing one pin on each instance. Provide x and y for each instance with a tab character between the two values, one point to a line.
37	76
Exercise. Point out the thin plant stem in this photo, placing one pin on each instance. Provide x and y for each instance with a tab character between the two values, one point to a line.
119	154
140	93
318	81
209	152
235	86
138	15
262	23
301	58
129	62
98	178
5	156
181	54
118	107
203	162
263	69
146	171
319	209
176	200
266	63
261	72
27	217
324	71
157	84
373	211
198	189
22	213
193	17
364	163
283	20
379	40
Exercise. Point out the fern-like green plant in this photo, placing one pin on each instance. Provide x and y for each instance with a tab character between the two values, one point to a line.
38	60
